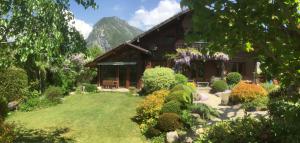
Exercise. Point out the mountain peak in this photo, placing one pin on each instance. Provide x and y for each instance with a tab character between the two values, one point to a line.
109	32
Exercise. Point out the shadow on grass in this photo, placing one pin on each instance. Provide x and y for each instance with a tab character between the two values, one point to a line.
24	135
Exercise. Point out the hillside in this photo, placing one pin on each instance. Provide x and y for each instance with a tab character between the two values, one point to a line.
110	32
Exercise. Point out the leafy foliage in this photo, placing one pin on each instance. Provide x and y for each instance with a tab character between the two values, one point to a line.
40	29
152	132
219	86
151	106
158	78
246	130
251	26
205	111
169	122
7	134
13	83
3	108
233	78
90	87
171	107
188	119
35	103
181	96
180	79
269	87
257	104
54	93
244	92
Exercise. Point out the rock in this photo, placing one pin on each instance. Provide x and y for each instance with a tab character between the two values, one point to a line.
13	105
195	115
188	140
204	96
172	137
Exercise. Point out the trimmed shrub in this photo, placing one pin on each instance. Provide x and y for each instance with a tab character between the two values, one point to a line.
180	78
152	132
219	86
3	108
233	78
169	122
181	96
90	87
13	83
244	92
171	107
54	93
259	104
205	111
158	78
151	106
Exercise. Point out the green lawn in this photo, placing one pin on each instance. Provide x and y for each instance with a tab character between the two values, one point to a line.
92	118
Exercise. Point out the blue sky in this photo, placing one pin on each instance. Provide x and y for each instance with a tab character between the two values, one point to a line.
140	13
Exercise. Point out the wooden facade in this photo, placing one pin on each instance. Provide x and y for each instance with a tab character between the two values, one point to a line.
126	63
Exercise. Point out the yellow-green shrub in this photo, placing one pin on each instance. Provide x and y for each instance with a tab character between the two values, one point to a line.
192	85
244	92
151	106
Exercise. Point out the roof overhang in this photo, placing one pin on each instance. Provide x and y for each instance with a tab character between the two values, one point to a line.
99	58
116	63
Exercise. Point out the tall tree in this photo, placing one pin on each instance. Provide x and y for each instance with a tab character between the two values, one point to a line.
39	29
269	28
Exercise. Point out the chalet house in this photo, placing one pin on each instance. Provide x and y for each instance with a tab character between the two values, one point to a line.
124	65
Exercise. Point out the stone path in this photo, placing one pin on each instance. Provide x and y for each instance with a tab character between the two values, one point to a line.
227	112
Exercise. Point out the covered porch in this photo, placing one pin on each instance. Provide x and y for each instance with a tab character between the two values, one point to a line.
117	75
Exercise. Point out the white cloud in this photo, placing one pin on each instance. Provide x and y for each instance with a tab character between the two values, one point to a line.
145	19
84	28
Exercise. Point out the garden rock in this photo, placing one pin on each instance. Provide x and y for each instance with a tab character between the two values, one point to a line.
172	137
188	140
204	97
13	105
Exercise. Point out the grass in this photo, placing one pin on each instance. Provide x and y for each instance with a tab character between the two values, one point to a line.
91	118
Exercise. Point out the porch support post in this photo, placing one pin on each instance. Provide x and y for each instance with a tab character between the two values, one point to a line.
127	77
117	76
99	75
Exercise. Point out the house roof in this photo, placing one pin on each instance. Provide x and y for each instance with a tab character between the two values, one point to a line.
94	62
130	43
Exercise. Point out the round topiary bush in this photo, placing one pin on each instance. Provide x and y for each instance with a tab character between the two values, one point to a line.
3	108
233	78
169	122
13	83
158	78
180	79
244	92
219	86
171	107
54	93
